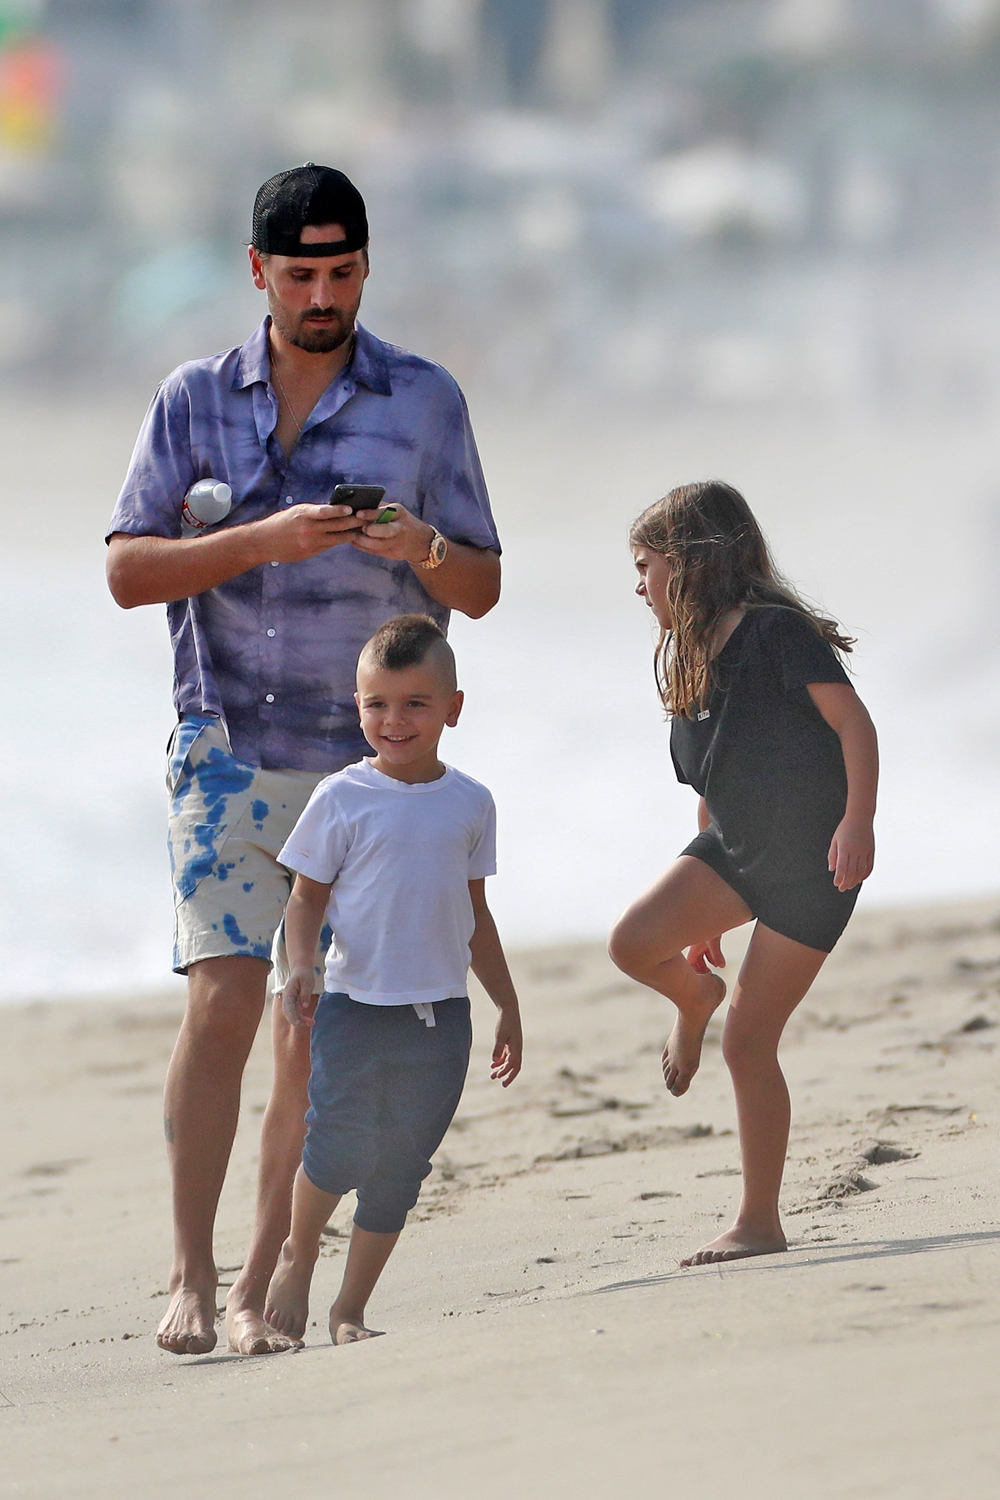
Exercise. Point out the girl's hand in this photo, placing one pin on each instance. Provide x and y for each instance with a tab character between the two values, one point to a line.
506	1063
852	854
298	1003
700	955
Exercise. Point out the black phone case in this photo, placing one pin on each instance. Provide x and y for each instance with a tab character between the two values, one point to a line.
358	496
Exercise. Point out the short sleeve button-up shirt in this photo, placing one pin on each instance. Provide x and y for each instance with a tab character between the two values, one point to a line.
273	651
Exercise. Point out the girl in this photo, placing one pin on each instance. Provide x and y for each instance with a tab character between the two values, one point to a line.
768	730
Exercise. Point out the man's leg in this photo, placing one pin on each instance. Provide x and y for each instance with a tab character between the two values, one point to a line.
201	1110
280	1154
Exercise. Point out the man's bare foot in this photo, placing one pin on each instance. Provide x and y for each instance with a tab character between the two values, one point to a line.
350	1330
248	1333
682	1054
188	1326
736	1244
287	1308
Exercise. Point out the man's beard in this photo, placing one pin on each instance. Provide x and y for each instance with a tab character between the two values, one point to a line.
321	340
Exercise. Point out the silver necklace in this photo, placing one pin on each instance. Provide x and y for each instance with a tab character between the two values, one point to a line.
284	393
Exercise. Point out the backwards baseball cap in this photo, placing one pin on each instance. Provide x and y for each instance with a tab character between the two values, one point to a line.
308	195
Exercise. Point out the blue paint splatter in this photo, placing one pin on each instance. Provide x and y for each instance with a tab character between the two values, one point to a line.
213	781
248	885
259	812
233	933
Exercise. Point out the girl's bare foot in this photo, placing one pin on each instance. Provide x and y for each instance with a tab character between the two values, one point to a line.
682	1053
248	1333
737	1244
287	1308
188	1326
350	1330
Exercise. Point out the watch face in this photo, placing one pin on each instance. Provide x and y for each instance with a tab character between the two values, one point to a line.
438	549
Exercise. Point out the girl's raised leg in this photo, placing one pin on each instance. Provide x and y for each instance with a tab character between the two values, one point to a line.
688	905
775	976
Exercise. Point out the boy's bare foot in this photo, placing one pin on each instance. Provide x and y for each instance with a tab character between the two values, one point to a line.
736	1244
287	1308
248	1333
188	1326
350	1330
682	1053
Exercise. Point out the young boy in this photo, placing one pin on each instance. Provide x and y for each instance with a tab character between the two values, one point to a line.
393	852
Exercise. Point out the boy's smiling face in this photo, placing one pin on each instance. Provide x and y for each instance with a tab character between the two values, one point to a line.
403	715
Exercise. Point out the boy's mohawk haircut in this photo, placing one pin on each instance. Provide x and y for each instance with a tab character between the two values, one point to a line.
404	642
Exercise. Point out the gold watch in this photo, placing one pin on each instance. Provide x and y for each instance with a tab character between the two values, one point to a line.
437	553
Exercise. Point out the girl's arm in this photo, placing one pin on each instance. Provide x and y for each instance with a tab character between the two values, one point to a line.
700	955
303	923
852	851
490	967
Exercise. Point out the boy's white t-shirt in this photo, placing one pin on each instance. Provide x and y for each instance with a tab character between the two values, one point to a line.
400	857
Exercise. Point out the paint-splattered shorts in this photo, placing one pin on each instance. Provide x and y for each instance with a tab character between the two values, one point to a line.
227	822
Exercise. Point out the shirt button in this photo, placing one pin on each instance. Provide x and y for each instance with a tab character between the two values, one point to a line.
289	500
269	698
270	632
274	565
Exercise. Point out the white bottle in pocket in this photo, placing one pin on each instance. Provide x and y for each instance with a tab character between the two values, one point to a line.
205	503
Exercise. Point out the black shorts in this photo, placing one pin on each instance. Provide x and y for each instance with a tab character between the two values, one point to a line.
809	910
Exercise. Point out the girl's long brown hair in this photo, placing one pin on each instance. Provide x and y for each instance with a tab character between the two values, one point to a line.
719	560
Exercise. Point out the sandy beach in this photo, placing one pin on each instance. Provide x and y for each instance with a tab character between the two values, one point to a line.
542	1339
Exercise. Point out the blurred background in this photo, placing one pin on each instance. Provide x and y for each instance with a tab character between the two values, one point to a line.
655	240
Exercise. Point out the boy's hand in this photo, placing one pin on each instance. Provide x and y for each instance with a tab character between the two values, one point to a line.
852	854
506	1063
298	1002
700	955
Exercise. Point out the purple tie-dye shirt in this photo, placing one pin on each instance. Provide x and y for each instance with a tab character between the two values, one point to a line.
273	652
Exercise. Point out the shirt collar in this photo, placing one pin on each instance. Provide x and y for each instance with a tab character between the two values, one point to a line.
368	366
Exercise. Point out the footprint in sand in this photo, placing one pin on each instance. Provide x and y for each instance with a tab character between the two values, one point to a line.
54	1168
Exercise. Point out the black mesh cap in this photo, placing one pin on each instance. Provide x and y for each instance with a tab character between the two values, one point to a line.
308	195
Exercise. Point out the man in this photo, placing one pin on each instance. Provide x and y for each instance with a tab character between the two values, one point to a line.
268	611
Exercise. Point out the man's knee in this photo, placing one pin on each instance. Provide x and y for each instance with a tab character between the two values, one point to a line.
290	1046
225	1000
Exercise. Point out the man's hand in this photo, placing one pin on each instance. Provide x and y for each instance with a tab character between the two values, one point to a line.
506	1062
298	1003
852	853
700	955
304	531
403	540
159	569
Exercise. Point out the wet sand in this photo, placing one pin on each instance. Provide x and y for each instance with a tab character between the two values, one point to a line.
543	1340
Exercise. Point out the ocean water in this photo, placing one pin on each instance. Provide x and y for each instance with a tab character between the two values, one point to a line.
893	526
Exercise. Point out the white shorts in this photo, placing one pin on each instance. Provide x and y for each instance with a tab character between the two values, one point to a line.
227	822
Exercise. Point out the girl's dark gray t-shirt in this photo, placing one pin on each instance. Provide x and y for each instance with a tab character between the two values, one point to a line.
769	766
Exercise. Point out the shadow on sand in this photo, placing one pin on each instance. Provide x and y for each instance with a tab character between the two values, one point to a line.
792	1260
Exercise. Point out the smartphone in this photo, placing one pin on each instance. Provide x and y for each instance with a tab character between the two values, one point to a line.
358	496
